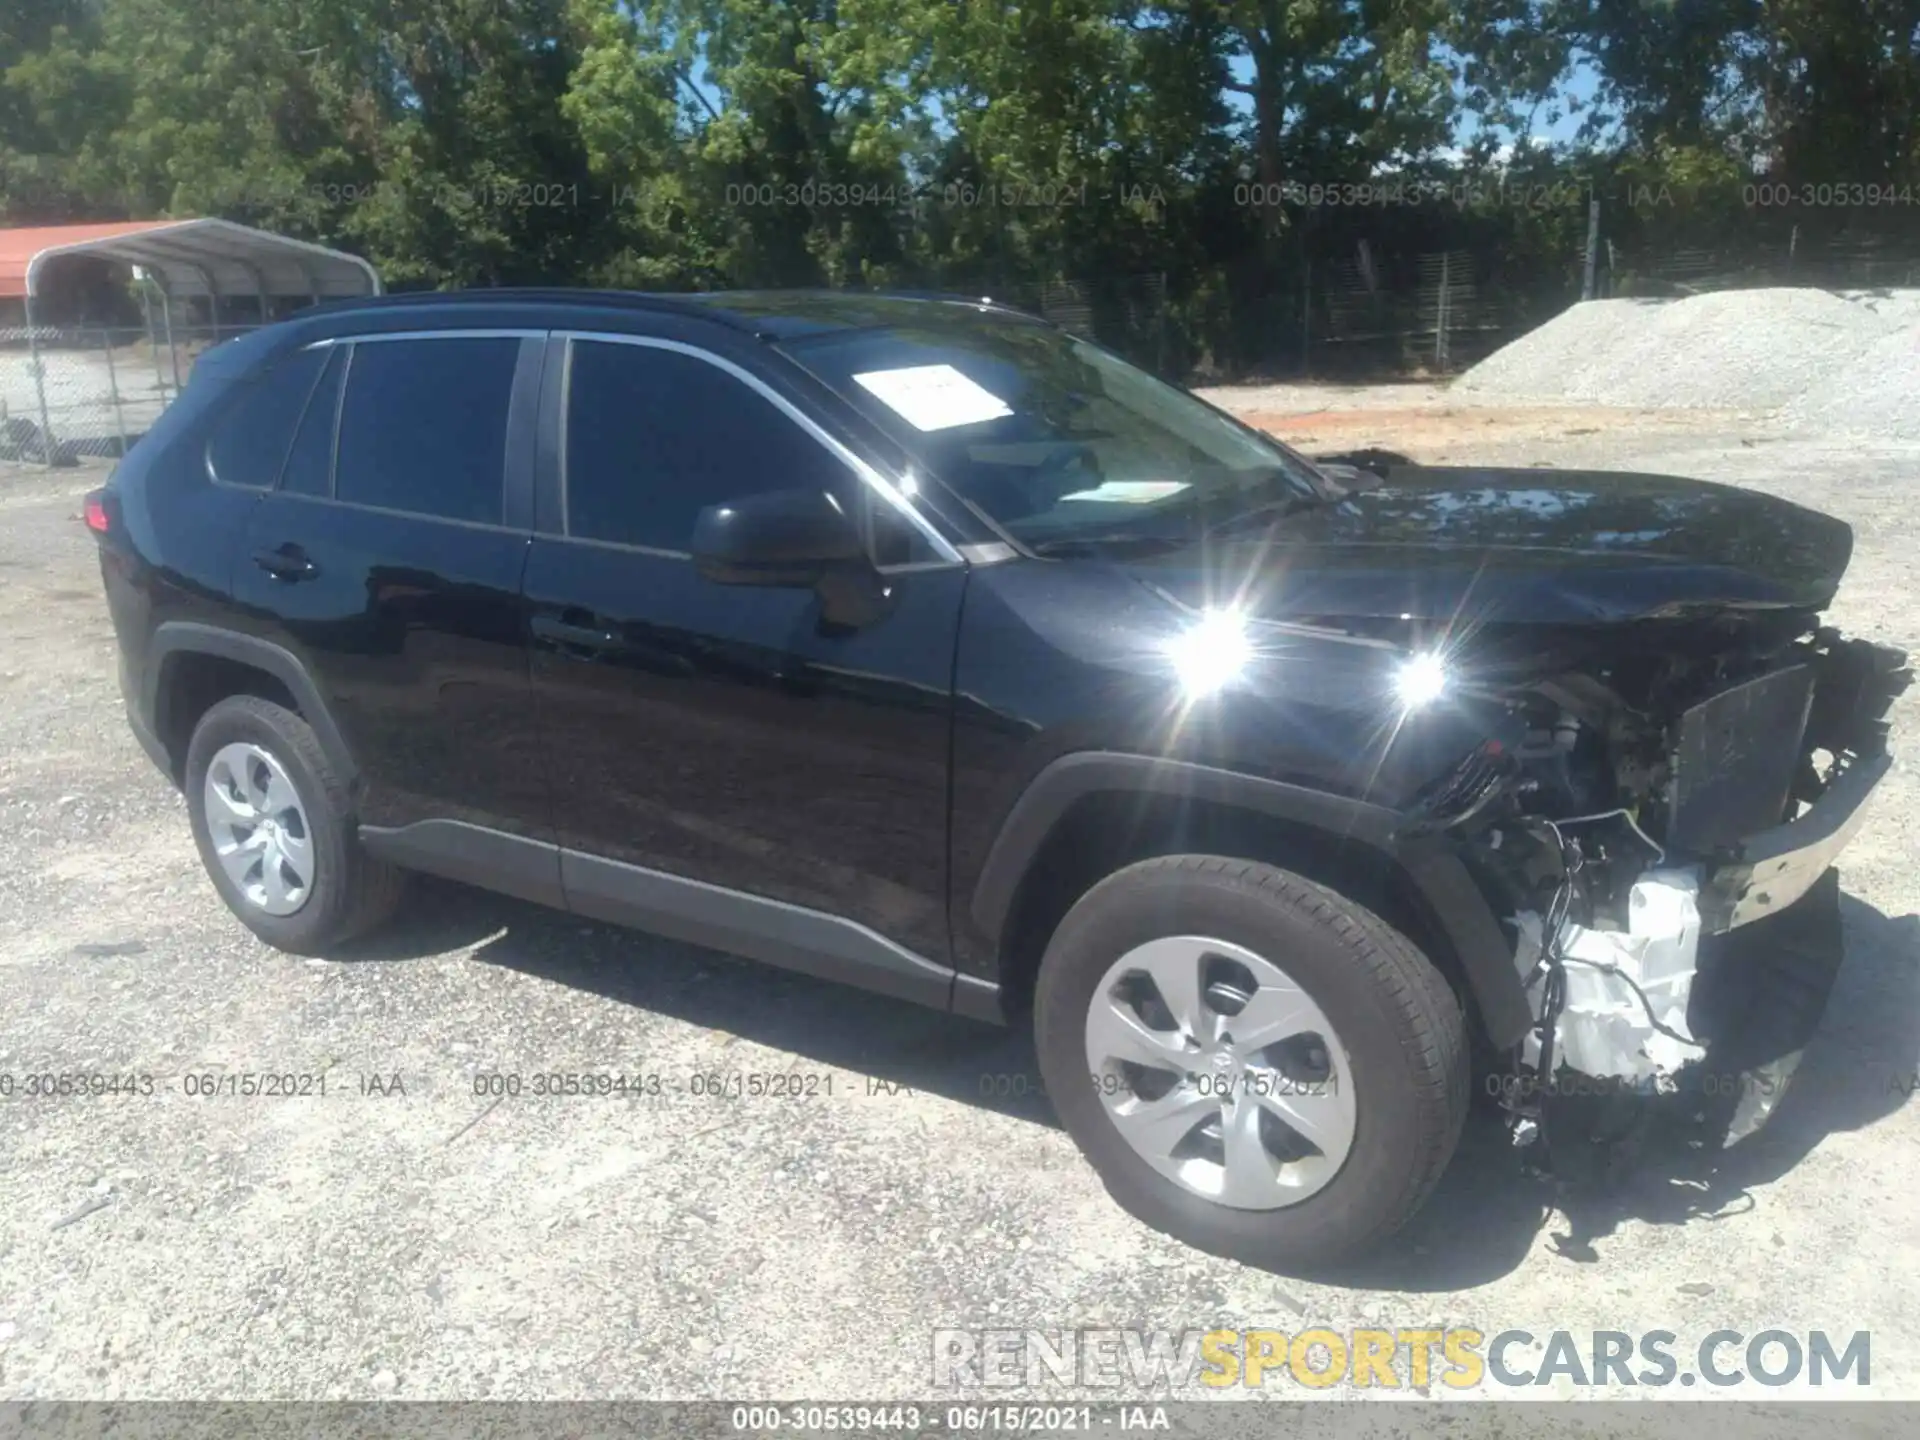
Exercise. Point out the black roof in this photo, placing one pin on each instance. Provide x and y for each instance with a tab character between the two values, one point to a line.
776	314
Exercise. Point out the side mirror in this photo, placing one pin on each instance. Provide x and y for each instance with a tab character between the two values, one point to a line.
781	537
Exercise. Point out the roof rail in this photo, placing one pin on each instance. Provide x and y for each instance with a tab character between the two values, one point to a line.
731	307
508	294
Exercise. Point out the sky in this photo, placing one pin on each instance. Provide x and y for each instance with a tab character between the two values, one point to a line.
1580	85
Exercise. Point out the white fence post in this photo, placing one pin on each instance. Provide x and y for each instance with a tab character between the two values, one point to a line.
113	386
39	386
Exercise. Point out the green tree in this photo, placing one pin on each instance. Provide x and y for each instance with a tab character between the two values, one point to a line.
1338	87
53	96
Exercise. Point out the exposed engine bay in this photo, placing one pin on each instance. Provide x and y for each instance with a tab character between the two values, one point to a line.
1666	785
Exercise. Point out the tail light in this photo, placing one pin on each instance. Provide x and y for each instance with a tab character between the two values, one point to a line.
99	519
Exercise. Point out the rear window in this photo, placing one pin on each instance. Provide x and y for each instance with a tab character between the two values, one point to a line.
423	427
250	438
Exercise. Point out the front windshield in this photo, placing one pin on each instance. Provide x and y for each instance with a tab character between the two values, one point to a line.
1054	438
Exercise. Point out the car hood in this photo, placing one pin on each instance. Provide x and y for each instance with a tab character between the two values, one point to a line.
1551	547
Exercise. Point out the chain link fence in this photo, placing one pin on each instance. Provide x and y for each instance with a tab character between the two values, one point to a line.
1846	263
68	392
1360	313
1375	312
1129	313
1431	312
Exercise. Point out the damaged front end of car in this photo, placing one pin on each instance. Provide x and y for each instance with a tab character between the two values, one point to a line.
1611	703
1656	826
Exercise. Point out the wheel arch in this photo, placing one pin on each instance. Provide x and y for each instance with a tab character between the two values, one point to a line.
191	666
1088	814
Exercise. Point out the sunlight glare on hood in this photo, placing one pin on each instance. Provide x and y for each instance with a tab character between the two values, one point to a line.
1420	680
1210	653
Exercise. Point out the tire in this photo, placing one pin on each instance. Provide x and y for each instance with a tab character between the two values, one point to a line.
349	892
1399	1032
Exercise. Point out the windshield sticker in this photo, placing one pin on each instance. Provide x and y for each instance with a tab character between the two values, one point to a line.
934	397
1129	492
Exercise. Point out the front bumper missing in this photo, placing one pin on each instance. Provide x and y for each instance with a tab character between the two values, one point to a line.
1742	741
1771	951
1769	871
1754	954
1770	905
1757	1000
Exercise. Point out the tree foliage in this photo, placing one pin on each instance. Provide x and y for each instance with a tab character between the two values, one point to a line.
925	143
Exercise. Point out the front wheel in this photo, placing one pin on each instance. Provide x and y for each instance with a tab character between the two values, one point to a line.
1251	1062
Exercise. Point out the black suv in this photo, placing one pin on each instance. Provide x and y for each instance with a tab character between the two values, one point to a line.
916	644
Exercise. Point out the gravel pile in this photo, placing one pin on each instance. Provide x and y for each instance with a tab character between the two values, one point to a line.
1557	360
1826	360
1877	391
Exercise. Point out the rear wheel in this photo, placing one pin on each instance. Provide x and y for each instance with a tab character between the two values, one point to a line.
272	821
1252	1062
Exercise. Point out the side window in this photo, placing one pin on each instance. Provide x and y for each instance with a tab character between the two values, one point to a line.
423	427
250	438
655	436
310	462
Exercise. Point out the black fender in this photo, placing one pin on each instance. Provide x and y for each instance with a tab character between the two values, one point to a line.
1451	898
177	637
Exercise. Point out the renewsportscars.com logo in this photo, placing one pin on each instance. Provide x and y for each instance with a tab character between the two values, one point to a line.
1458	1357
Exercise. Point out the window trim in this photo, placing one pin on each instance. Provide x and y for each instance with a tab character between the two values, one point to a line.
419	515
333	433
352	342
279	486
946	556
486	332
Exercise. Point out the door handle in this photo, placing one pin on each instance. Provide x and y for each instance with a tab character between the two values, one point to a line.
574	637
286	562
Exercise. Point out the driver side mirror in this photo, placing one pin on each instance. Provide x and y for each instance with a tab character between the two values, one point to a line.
789	538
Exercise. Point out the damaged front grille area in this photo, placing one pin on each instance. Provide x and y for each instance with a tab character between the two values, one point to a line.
1675	759
1665	792
1735	759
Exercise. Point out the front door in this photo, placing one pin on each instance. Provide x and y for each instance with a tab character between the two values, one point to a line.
727	735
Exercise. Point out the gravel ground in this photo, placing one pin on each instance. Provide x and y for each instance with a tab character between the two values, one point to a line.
1877	393
426	1243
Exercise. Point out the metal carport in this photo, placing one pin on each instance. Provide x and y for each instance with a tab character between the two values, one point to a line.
188	257
198	258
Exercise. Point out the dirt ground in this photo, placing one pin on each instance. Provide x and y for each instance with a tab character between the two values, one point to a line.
403	1236
1431	425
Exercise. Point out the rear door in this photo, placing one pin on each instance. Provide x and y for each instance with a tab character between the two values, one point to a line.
389	560
722	734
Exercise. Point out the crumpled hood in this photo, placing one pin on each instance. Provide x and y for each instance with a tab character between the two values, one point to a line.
1551	547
